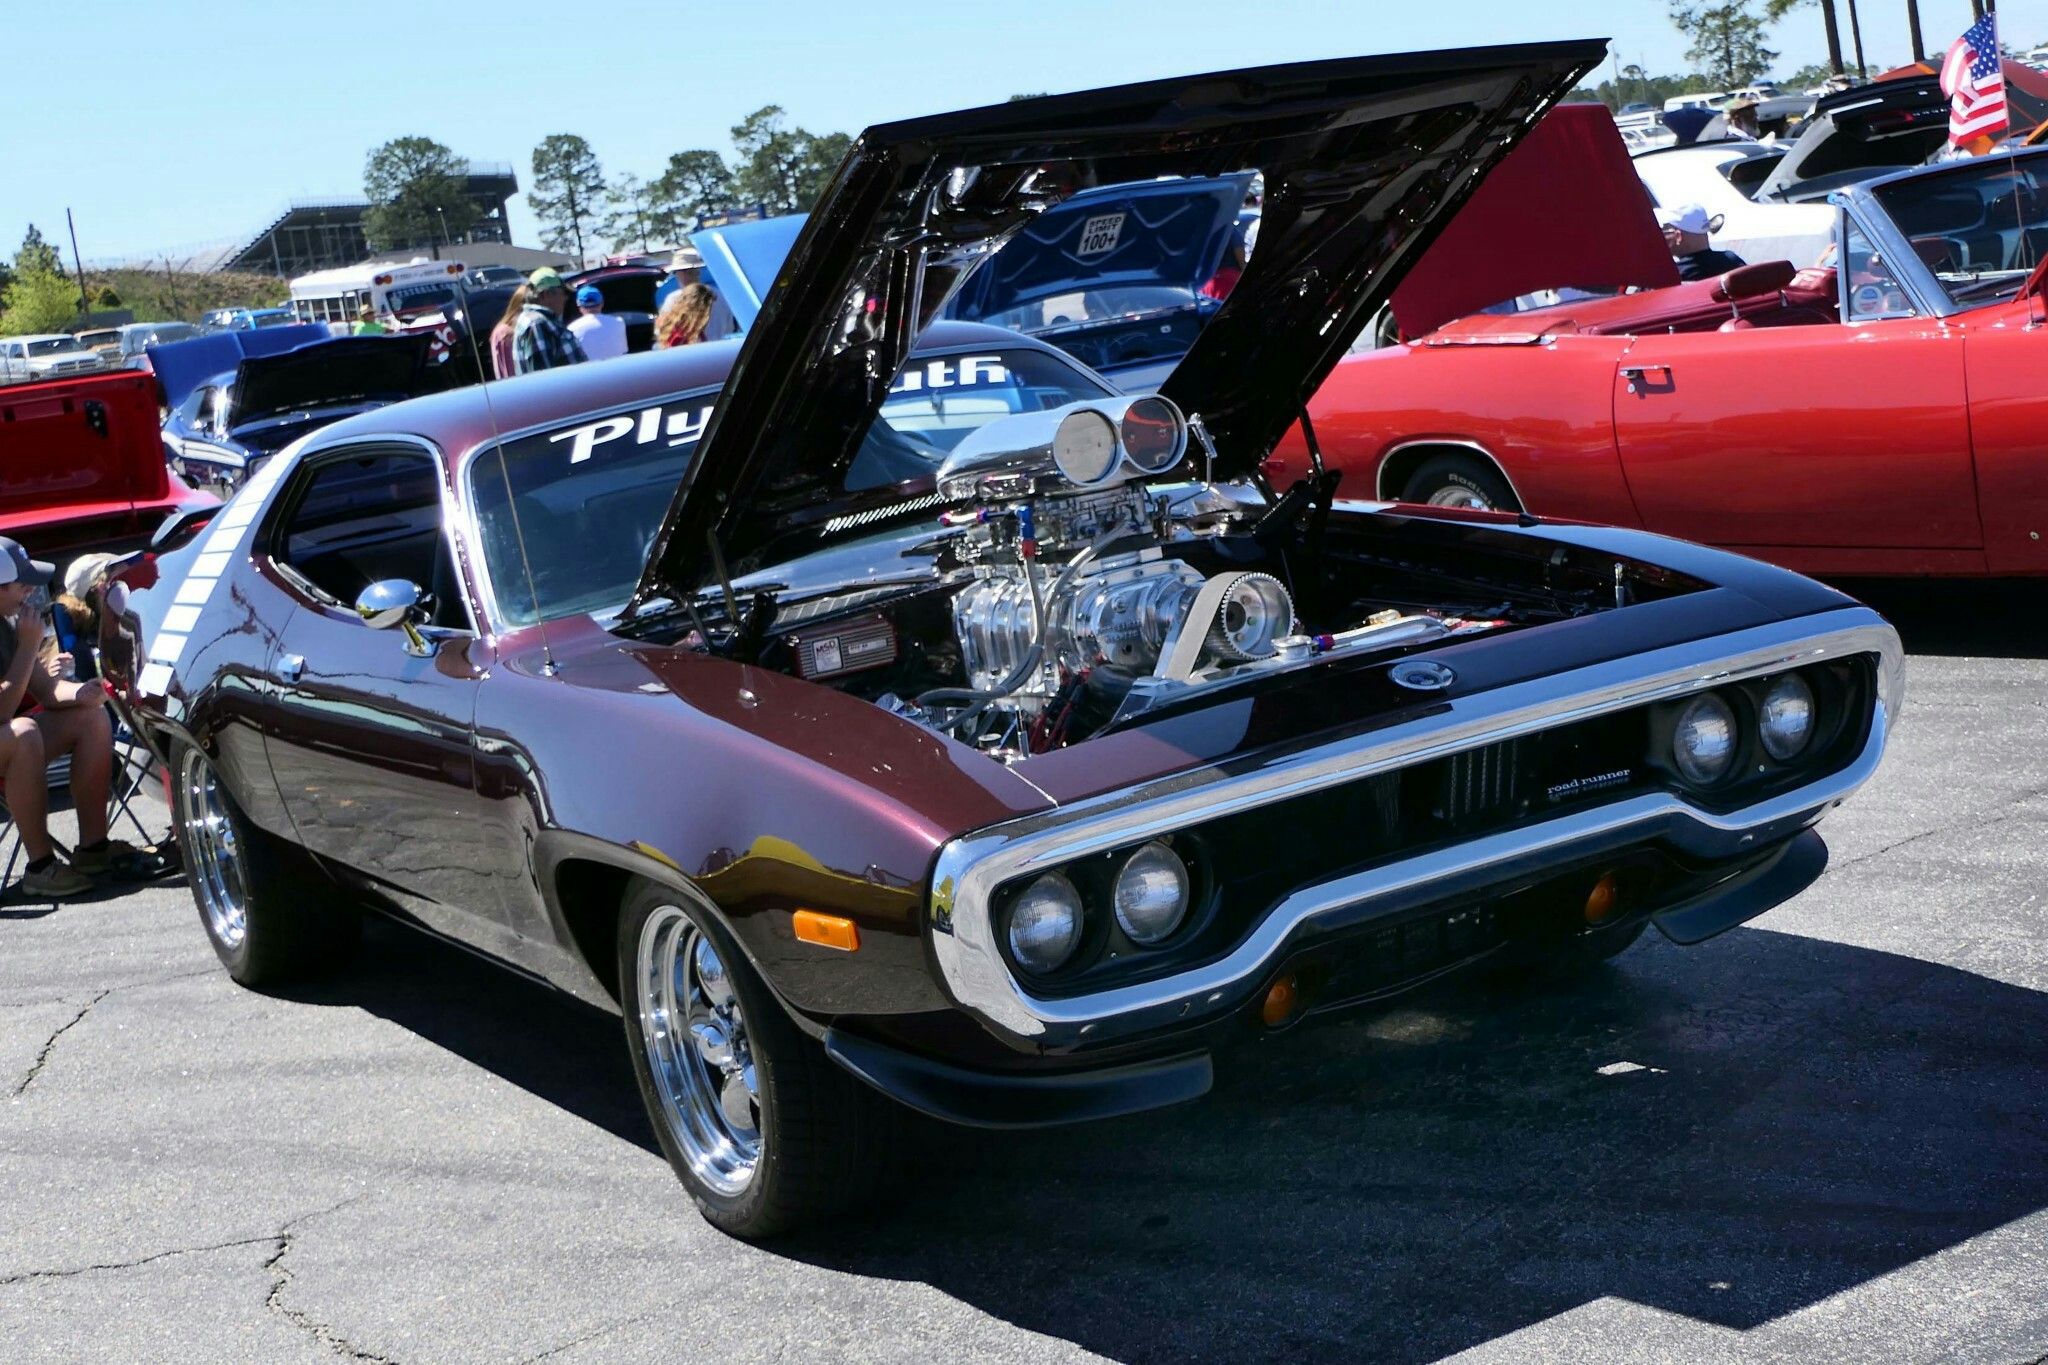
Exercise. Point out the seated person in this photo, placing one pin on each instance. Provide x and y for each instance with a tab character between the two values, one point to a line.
72	719
1686	229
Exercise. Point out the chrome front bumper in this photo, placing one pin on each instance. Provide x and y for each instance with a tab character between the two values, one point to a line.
971	868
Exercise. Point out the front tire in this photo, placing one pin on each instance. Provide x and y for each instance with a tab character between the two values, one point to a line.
264	907
1460	481
762	1128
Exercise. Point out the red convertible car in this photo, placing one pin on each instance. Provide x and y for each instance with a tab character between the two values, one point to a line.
1883	415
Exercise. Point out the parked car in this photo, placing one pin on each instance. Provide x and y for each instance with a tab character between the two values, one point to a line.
1721	177
248	319
628	293
1912	446
45	356
85	470
1113	276
495	277
984	741
224	423
125	347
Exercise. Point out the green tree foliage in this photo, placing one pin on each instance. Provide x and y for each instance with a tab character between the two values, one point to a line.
37	254
782	167
630	221
1638	86
103	296
414	185
1726	40
39	300
568	194
695	183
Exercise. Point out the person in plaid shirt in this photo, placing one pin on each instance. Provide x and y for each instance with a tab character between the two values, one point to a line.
540	341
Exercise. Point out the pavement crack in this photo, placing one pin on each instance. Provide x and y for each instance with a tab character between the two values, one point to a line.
50	1043
592	1335
281	1277
27	1276
1973	818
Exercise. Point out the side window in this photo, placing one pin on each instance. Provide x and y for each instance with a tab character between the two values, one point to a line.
359	519
1870	289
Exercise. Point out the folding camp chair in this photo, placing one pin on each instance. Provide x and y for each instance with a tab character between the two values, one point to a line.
132	766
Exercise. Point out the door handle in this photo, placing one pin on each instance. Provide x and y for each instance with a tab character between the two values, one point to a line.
1639	381
291	667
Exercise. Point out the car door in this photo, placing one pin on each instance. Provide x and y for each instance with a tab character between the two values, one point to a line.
1828	437
372	751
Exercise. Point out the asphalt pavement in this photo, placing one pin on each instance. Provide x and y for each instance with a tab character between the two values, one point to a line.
1821	1136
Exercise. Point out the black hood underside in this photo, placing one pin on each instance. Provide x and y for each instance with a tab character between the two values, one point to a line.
1364	158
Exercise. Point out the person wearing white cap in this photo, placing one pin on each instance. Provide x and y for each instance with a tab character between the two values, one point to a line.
686	266
1687	230
71	719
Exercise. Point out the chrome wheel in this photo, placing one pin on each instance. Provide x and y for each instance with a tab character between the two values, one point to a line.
698	1051
216	871
1458	495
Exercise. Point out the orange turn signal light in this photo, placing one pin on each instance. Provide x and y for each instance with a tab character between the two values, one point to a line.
1603	900
1281	998
827	931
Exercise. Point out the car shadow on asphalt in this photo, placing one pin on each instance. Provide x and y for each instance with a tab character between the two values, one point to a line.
1996	618
1731	1132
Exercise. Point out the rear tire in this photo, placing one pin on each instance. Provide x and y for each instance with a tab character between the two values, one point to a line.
268	911
762	1128
1460	481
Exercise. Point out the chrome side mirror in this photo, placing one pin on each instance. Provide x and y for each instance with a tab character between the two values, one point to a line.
396	602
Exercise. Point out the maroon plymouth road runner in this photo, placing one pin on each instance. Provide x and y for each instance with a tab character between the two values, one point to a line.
879	714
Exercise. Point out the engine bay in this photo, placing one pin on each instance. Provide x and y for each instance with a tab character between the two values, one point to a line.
1064	595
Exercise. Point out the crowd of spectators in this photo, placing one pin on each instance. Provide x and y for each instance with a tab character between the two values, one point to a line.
538	333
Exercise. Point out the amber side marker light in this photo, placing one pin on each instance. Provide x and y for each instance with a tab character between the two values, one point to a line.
827	931
1603	900
1281	998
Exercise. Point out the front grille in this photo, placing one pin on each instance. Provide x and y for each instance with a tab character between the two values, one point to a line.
1480	782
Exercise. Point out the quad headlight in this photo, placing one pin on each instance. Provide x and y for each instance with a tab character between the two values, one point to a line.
1045	923
1785	720
1703	743
1151	894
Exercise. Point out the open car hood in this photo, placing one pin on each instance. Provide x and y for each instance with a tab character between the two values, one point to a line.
182	366
1159	232
1571	202
1363	160
743	260
339	370
1855	133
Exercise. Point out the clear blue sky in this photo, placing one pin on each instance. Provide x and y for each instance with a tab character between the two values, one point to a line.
170	125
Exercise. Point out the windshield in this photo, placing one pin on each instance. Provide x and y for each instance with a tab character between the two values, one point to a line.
415	298
591	495
1981	228
54	346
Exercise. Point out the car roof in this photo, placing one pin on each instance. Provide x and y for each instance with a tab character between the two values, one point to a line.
462	419
2021	155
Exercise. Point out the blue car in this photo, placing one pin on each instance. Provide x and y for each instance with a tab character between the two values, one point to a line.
236	398
1113	276
248	319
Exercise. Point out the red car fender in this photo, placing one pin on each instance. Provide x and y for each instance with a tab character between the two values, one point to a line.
1542	414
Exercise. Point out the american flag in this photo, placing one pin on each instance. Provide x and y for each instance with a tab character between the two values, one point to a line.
1974	82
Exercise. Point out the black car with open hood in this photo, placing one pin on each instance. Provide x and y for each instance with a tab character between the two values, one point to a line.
1363	161
883	712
